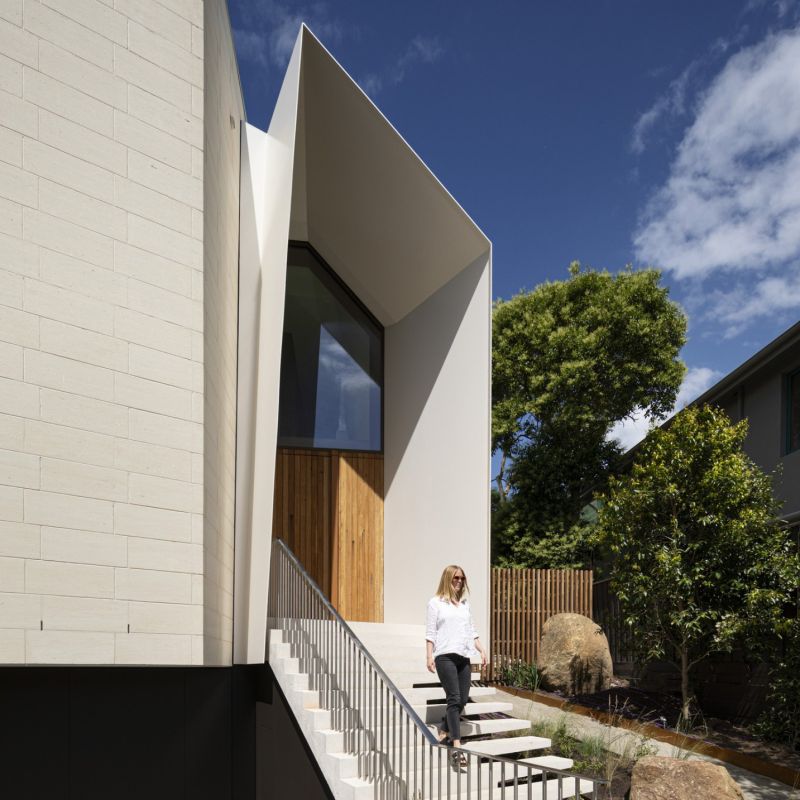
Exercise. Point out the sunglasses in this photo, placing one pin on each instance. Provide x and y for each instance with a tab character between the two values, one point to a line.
459	578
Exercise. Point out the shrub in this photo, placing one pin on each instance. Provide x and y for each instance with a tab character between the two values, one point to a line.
521	675
780	721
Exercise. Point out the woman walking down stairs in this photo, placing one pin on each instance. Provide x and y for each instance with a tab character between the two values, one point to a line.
366	705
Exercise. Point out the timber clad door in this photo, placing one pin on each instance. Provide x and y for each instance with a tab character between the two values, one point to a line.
329	510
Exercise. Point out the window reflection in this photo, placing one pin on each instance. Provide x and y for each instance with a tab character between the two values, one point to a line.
331	364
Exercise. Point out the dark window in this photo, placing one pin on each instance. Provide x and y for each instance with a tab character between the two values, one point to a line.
331	364
793	412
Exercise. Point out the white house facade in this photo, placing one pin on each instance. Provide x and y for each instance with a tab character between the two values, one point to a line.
212	337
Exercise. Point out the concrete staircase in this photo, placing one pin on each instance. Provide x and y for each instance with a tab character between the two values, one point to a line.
487	730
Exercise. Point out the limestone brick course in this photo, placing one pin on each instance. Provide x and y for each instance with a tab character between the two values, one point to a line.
114	301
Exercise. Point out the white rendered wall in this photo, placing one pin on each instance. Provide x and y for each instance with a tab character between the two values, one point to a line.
436	431
265	210
224	112
101	332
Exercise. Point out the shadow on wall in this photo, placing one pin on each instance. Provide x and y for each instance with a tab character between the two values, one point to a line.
158	733
284	765
410	378
127	732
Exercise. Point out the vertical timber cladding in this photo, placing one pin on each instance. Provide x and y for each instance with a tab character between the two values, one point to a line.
302	509
329	510
358	536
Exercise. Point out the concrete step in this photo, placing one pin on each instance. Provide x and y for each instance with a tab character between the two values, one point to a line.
402	667
418	696
570	787
409	769
434	713
550	762
458	782
507	745
323	720
486	727
369	700
365	630
405	679
390	663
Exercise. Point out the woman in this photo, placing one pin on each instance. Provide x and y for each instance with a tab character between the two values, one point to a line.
450	641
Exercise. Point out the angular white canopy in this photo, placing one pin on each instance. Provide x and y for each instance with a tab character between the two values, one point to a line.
333	171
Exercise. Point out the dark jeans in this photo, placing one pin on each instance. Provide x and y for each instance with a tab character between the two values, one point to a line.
454	672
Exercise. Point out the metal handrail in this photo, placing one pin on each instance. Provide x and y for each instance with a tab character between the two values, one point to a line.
325	603
377	721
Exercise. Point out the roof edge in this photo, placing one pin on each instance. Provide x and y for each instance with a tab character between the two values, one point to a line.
304	29
760	359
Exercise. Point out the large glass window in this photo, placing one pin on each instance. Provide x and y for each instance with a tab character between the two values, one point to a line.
793	412
331	364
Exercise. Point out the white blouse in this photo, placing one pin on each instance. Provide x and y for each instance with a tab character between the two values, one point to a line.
450	627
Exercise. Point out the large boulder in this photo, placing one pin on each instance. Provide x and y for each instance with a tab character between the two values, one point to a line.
573	656
662	778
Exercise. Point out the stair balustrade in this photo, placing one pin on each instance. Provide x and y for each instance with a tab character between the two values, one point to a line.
396	751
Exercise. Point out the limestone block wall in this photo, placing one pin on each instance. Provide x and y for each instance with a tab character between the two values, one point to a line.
104	553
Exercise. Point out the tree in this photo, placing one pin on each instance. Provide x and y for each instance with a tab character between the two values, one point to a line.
553	476
570	359
701	558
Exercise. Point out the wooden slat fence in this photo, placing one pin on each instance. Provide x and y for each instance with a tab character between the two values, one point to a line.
523	600
608	615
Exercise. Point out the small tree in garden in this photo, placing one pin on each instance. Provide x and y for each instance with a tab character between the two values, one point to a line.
701	558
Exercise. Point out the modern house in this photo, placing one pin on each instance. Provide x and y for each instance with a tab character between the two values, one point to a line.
213	337
765	390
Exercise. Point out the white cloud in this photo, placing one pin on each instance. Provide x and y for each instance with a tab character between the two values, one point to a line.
695	382
251	46
371	84
631	431
420	50
676	100
271	28
671	103
732	200
774	295
781	8
730	209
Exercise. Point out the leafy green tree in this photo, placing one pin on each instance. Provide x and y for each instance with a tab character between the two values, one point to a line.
570	359
553	476
701	558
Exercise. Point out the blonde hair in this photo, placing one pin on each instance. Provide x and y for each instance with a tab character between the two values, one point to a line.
446	590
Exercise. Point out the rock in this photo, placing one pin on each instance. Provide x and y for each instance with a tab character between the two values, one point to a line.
662	778
573	656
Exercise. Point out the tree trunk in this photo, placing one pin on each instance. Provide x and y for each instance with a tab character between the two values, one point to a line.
501	487
686	691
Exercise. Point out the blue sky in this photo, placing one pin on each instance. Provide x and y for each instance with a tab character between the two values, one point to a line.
651	132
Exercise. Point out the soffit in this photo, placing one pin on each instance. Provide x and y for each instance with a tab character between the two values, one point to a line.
371	206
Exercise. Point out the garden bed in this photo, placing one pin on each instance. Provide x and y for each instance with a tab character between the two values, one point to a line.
655	715
593	756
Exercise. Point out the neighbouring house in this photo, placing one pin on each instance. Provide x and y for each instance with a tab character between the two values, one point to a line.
212	336
765	390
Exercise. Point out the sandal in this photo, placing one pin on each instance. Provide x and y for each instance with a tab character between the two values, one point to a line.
458	760
441	735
